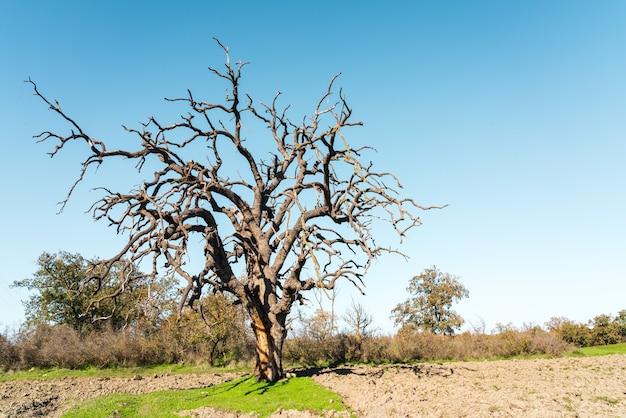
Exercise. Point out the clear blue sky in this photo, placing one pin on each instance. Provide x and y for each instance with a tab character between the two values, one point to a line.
513	113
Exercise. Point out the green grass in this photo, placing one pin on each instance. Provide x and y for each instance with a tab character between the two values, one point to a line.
241	395
57	373
599	350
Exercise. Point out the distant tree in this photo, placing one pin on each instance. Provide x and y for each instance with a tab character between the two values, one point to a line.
555	323
359	321
605	330
430	306
601	330
501	328
479	327
620	319
320	325
62	293
570	331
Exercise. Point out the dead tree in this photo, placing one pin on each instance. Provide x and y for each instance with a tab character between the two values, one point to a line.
359	321
299	217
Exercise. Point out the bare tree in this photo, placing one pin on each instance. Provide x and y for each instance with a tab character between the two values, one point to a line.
298	219
359	321
323	314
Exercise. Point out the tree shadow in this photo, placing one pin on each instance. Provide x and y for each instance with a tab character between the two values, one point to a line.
231	385
260	390
377	371
317	371
264	388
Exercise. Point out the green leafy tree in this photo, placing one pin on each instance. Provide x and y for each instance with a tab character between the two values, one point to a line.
620	321
62	292
570	331
605	330
430	306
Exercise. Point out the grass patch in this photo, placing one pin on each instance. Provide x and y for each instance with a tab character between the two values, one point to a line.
606	399
599	350
112	372
241	395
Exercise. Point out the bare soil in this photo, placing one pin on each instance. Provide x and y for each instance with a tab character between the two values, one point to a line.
563	387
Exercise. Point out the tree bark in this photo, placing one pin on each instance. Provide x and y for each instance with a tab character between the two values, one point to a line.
269	336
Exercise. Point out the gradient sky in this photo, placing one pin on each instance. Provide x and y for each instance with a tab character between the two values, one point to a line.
513	113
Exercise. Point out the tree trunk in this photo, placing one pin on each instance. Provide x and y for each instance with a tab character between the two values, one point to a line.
269	348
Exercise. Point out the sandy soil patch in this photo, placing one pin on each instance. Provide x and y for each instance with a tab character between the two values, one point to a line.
576	387
37	398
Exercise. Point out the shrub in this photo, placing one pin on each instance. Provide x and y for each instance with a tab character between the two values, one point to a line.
217	333
577	334
62	346
8	355
602	330
310	351
410	344
376	349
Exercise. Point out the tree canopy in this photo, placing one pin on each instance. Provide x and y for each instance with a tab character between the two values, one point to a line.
430	306
62	293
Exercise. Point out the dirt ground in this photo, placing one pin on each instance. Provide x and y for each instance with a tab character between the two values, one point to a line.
563	387
50	398
576	387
